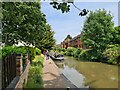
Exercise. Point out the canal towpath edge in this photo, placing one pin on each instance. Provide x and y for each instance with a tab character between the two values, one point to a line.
52	78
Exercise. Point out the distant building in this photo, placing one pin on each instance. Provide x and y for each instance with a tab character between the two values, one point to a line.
74	42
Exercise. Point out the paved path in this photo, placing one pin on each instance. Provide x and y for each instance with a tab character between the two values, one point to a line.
52	77
0	74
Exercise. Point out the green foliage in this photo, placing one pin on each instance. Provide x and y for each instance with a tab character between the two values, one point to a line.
24	22
76	52
59	50
97	32
38	51
48	41
88	55
70	51
31	51
112	53
35	74
18	50
65	7
116	35
68	37
13	50
84	55
34	78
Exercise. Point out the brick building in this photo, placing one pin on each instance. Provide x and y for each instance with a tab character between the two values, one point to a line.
74	42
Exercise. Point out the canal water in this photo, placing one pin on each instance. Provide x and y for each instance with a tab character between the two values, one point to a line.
89	74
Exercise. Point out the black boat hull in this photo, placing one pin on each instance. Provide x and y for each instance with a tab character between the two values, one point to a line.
57	59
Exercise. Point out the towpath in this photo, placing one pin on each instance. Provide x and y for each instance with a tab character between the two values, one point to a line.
52	77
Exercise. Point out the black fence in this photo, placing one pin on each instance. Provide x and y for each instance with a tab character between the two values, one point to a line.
8	70
11	67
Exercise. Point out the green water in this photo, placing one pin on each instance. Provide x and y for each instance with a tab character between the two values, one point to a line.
92	74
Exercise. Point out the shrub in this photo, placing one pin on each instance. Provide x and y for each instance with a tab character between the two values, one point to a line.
34	78
89	55
31	51
63	49
35	74
11	50
38	51
18	50
70	51
76	52
112	53
60	49
83	55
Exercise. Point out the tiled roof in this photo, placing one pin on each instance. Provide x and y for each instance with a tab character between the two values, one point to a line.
75	37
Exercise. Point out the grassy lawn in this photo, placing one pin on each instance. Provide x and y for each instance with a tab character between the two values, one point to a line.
35	74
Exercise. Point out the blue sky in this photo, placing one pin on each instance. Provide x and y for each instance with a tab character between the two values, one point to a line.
71	23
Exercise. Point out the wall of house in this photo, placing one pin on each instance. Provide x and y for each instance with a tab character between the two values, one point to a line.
74	42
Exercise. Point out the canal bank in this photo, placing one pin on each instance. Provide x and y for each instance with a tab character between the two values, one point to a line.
92	74
52	78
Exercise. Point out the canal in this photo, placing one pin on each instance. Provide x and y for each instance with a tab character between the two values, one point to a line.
89	74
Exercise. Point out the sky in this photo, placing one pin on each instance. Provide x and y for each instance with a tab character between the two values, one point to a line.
71	23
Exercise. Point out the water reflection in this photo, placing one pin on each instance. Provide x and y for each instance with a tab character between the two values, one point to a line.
96	75
76	78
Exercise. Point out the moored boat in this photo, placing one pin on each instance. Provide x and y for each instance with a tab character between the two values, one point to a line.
57	57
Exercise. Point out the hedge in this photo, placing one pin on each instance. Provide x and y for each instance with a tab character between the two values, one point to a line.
18	50
38	51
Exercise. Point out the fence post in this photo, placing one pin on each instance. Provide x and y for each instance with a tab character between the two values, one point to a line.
27	61
19	67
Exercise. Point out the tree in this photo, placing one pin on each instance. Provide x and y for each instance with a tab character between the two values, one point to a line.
23	22
64	6
116	35
48	41
68	37
97	32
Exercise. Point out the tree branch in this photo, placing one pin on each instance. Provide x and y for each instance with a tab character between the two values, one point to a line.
76	7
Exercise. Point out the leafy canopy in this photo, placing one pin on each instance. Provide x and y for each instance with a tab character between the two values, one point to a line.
97	32
64	6
24	22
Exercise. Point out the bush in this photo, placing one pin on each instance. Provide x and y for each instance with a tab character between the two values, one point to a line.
112	53
31	51
63	49
70	51
35	74
84	55
59	50
76	52
18	50
13	50
89	55
38	51
34	78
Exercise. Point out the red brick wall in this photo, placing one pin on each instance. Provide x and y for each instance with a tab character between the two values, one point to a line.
75	42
